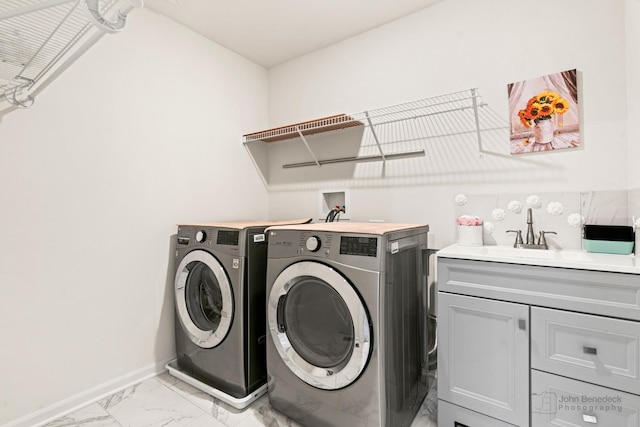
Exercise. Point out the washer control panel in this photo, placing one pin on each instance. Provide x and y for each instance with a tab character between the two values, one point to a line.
226	240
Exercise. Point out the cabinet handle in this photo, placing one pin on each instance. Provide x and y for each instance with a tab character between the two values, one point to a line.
522	324
591	419
590	350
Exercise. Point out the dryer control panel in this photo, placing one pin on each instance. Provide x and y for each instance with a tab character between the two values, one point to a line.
362	246
361	250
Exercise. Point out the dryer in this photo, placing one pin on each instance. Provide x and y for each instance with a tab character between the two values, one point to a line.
220	297
347	323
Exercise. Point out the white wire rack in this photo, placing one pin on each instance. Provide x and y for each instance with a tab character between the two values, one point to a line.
443	116
36	35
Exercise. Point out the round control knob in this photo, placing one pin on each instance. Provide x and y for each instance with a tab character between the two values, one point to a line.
201	236
313	243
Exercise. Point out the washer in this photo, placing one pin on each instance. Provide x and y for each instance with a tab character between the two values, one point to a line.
347	323
220	297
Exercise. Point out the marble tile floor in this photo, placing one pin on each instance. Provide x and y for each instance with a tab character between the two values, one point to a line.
169	402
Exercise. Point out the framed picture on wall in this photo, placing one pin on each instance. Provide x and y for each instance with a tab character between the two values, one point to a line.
544	113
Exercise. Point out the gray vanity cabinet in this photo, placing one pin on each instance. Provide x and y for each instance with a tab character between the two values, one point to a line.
526	345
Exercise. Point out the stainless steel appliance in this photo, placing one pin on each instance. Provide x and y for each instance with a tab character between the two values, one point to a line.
346	312
220	309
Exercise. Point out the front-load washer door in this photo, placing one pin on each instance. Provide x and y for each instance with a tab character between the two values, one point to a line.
319	325
204	299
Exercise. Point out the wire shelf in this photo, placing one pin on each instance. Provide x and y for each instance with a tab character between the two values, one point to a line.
449	115
35	35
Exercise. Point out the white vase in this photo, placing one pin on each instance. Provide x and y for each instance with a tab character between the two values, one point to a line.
470	235
543	131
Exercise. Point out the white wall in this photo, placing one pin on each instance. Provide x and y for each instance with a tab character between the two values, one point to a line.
142	132
456	45
633	88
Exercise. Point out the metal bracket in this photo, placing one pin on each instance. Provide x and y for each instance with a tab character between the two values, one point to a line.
375	136
474	100
307	145
92	8
11	96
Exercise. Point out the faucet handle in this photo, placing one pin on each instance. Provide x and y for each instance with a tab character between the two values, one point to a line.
518	242
541	239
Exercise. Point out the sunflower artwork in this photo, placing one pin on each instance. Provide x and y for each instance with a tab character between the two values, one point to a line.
543	106
544	113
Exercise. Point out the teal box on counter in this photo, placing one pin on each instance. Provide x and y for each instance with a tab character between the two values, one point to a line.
608	247
608	239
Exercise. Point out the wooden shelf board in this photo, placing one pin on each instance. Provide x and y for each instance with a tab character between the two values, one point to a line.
325	124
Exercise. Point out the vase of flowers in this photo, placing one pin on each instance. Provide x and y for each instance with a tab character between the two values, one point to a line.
543	131
540	112
469	230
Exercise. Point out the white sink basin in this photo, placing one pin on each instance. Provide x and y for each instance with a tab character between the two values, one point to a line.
551	254
510	252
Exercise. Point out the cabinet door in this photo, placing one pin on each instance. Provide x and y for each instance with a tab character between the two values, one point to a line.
483	356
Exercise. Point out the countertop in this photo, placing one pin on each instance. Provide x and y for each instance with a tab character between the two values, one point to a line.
350	227
564	258
241	225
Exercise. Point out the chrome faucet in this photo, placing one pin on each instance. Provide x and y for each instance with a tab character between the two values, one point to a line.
530	242
530	236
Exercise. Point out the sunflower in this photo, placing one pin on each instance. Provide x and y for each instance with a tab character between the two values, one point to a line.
547	97
546	109
534	110
524	118
560	105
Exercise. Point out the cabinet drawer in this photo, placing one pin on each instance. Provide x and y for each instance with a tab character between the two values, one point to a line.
599	350
559	401
450	415
596	292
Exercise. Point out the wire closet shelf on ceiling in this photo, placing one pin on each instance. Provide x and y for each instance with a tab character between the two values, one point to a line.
36	35
444	116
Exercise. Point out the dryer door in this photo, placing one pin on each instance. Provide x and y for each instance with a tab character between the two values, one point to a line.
204	299
319	325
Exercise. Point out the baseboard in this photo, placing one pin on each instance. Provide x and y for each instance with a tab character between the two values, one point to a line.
73	403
